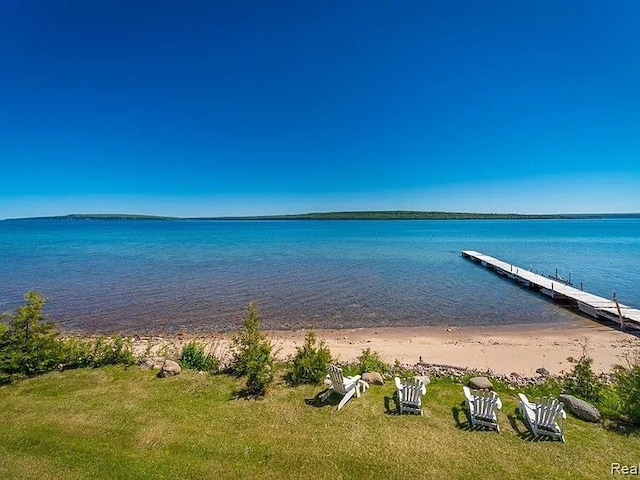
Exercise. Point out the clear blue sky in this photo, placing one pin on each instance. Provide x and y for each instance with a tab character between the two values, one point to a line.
230	108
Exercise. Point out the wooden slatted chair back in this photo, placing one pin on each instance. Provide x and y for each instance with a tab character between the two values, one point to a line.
412	391
337	380
485	403
547	412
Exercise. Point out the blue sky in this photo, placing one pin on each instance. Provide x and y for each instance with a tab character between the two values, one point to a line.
232	108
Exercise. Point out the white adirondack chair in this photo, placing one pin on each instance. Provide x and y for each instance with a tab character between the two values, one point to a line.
483	408
345	386
410	395
545	416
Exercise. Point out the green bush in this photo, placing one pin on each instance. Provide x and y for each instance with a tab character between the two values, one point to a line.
310	361
369	361
115	350
260	369
610	405
29	345
399	370
253	355
77	353
193	356
627	386
581	381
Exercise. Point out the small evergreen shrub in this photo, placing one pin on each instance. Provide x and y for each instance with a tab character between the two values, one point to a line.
260	368
627	386
253	355
581	381
193	356
369	361
310	361
29	345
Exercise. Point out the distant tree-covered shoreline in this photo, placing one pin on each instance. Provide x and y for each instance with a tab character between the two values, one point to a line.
357	215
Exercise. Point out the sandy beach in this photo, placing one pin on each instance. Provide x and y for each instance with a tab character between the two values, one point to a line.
501	349
504	350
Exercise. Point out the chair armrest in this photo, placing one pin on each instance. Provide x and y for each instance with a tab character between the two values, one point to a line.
470	397
398	383
353	379
523	399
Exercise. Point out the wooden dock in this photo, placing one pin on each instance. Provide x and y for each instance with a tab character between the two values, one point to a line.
588	303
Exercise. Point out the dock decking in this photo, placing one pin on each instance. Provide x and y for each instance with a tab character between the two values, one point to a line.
588	303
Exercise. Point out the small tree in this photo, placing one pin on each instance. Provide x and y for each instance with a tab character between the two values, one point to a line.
253	354
29	345
310	361
260	371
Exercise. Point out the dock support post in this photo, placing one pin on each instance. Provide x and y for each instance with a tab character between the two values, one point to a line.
615	300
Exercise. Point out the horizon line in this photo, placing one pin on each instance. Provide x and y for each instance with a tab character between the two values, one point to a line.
134	216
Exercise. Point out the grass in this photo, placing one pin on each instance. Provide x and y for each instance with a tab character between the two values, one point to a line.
127	424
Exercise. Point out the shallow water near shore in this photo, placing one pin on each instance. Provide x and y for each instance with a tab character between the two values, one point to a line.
154	276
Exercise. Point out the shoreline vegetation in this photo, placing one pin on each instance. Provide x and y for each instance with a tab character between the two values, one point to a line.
191	409
502	349
356	215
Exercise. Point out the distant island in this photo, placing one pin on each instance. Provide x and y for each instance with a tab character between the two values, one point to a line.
361	215
99	216
418	215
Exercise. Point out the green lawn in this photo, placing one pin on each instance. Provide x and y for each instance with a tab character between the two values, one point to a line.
126	423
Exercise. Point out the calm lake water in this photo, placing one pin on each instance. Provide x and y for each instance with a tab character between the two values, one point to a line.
165	276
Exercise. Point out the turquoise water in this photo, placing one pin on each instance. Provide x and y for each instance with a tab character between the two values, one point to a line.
102	276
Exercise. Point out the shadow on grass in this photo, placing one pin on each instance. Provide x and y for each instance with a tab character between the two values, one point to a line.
459	411
465	423
395	411
621	428
245	394
456	412
388	402
519	427
522	430
320	401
